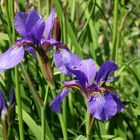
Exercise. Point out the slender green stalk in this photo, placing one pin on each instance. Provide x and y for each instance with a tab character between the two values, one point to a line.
122	36
39	6
64	106
35	94
115	29
48	7
42	123
18	99
87	125
63	126
73	10
70	98
8	19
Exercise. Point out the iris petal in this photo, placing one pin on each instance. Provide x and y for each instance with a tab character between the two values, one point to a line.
103	107
19	23
12	57
105	70
64	58
55	104
31	20
49	24
85	72
30	25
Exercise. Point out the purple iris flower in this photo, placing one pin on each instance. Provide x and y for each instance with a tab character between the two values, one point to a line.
103	101
31	27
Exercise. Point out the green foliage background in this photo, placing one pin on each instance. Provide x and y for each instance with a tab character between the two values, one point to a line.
87	27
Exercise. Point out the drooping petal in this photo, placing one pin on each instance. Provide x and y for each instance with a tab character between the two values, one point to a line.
105	70
52	41
85	72
49	24
55	104
102	107
30	50
64	58
12	57
118	102
3	104
19	23
72	84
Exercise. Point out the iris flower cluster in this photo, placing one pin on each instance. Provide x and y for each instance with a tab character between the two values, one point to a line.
103	101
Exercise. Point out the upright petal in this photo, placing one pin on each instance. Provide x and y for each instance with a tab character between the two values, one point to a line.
31	20
55	104
102	107
105	70
38	29
49	24
85	72
11	57
30	25
88	67
19	23
64	58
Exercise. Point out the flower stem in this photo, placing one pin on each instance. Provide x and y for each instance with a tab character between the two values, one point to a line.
89	124
18	99
48	2
31	86
43	123
39	6
115	29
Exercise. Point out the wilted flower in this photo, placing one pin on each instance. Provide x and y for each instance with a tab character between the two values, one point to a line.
31	27
103	101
